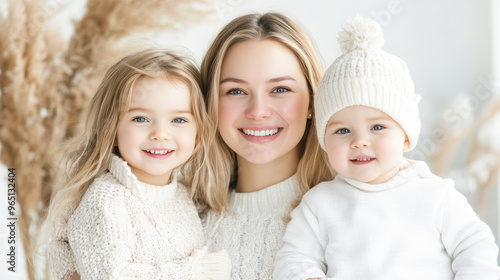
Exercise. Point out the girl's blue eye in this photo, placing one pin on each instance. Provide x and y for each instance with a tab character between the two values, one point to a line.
378	127
140	119
178	120
235	92
281	89
342	131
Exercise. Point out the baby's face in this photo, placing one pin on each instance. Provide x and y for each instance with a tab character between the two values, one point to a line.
365	144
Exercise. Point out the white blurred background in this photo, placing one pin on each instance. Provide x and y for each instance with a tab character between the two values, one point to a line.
451	47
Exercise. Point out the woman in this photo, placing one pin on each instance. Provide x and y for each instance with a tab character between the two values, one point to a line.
260	75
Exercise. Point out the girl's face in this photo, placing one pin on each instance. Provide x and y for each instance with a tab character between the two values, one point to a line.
365	144
157	133
263	101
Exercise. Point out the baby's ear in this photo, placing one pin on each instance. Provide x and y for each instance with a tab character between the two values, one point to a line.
406	145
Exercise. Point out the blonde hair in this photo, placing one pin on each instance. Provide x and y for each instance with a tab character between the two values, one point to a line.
88	155
313	166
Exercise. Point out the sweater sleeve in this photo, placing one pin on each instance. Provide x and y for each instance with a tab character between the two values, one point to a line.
301	255
60	259
103	240
469	241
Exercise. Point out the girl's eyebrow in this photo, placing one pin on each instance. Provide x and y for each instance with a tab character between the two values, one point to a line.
140	109
182	112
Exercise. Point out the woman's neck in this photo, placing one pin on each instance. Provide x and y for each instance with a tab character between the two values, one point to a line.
254	177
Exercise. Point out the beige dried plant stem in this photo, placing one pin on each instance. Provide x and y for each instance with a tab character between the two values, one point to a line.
28	108
444	157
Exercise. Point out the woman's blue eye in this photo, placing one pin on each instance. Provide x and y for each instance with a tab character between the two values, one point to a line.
378	127
235	92
178	120
281	89
343	131
140	119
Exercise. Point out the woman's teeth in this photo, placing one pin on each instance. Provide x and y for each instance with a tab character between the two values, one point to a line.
260	132
362	159
164	152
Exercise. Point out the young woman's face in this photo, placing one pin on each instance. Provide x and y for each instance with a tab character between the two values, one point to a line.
365	144
263	101
158	132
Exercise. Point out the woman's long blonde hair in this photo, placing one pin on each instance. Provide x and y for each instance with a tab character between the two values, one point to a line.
88	155
313	166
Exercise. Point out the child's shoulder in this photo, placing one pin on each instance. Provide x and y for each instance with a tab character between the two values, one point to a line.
323	189
107	190
425	175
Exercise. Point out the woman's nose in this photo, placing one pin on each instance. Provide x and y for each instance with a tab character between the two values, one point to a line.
258	108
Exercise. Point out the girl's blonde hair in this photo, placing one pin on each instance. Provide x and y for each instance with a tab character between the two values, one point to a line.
313	166
88	155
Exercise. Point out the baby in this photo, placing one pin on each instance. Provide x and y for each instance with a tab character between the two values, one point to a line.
383	216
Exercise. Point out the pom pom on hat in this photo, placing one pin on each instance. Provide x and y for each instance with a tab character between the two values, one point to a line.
365	75
360	33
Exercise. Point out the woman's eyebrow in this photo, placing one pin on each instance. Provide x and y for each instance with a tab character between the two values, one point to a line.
273	80
280	79
234	80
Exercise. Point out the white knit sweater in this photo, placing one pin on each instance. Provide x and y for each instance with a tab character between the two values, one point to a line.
252	231
415	226
126	229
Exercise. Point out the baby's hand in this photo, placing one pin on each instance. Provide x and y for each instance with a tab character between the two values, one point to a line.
211	265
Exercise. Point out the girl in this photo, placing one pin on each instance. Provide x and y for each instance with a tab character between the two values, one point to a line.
260	75
130	216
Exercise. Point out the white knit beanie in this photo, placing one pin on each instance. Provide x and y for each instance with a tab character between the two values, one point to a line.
366	75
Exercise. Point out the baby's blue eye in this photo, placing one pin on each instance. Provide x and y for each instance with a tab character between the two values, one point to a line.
281	90
140	119
342	131
178	120
235	92
378	127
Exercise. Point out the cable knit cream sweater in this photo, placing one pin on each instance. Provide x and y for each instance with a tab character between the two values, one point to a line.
126	229
253	229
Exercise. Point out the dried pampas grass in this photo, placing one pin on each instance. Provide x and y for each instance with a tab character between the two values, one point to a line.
46	82
482	162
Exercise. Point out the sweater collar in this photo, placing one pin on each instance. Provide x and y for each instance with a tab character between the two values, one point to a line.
407	169
269	199
145	192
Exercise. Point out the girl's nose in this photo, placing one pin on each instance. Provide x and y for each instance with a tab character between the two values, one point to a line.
159	133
